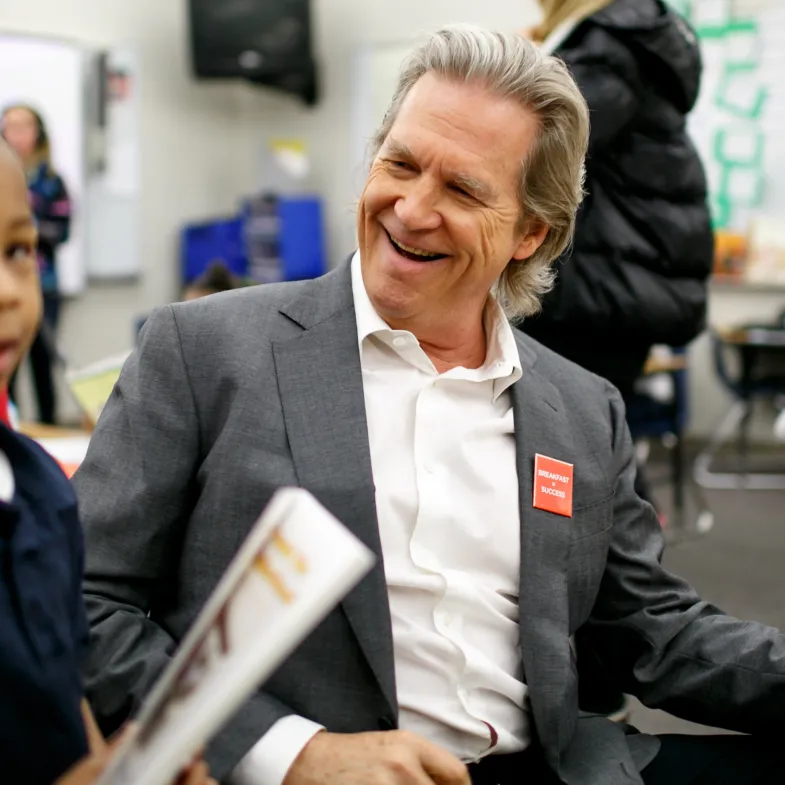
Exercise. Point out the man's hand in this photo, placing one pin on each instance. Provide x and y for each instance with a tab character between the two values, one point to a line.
389	758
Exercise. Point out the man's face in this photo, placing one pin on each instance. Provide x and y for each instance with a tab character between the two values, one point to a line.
20	290
20	130
439	217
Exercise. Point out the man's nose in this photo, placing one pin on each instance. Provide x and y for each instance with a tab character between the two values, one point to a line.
416	208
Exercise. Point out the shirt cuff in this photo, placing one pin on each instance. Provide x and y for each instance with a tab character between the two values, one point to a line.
272	756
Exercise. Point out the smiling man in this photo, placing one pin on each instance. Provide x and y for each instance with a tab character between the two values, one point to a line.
440	218
493	479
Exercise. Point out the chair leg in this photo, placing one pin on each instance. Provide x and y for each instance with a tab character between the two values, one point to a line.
677	479
743	444
738	416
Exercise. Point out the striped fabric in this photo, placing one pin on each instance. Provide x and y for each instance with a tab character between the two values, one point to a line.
52	210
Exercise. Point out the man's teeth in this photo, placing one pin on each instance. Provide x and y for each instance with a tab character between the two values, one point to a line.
415	251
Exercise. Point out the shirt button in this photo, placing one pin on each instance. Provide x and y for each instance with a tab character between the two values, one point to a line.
399	341
429	468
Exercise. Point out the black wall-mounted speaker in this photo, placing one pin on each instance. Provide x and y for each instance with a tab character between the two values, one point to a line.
267	42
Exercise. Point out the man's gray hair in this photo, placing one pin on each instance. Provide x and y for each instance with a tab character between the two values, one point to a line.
552	176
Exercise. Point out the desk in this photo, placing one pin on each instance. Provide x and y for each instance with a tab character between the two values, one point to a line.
68	446
655	365
754	344
35	430
755	336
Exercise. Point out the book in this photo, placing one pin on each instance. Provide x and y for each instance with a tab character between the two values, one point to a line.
296	564
92	385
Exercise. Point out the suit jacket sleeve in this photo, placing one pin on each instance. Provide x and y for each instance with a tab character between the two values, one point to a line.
674	651
136	490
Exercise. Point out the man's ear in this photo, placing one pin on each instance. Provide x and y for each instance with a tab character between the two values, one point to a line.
530	241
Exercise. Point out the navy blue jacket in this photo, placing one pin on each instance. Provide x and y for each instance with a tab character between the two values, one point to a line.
43	628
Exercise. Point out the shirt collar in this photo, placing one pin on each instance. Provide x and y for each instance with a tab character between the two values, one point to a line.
502	363
368	320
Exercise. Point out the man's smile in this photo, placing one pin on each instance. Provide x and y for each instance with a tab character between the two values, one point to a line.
412	253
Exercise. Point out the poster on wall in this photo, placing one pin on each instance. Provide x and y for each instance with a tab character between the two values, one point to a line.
114	190
122	150
739	122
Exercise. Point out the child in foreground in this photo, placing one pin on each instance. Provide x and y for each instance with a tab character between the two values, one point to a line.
47	734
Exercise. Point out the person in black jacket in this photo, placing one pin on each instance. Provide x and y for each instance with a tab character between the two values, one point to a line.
643	249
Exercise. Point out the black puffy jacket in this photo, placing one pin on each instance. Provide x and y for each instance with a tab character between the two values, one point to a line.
636	274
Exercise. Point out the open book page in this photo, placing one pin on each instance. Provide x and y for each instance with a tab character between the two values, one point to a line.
296	564
92	386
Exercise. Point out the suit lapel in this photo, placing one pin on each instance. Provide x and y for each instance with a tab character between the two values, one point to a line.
541	427
320	382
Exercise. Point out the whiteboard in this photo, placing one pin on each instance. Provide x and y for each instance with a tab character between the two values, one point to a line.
50	76
739	121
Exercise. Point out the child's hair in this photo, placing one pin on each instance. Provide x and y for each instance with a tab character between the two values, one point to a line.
555	12
217	278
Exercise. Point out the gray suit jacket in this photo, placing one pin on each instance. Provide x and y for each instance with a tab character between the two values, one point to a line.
233	396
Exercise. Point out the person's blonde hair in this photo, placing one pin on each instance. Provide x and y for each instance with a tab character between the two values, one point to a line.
552	175
556	12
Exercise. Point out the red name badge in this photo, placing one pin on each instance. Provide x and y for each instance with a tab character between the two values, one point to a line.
553	485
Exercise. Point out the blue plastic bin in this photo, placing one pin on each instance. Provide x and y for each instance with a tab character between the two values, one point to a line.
204	243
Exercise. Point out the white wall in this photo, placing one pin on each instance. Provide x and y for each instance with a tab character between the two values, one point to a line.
201	144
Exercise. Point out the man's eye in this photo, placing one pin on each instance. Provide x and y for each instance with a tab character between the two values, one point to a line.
456	189
401	165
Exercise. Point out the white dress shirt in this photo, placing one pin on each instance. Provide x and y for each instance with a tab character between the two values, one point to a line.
448	509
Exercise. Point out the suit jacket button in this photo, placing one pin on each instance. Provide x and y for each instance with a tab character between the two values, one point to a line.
385	723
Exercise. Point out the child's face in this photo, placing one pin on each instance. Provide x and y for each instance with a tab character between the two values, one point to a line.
20	290
20	130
